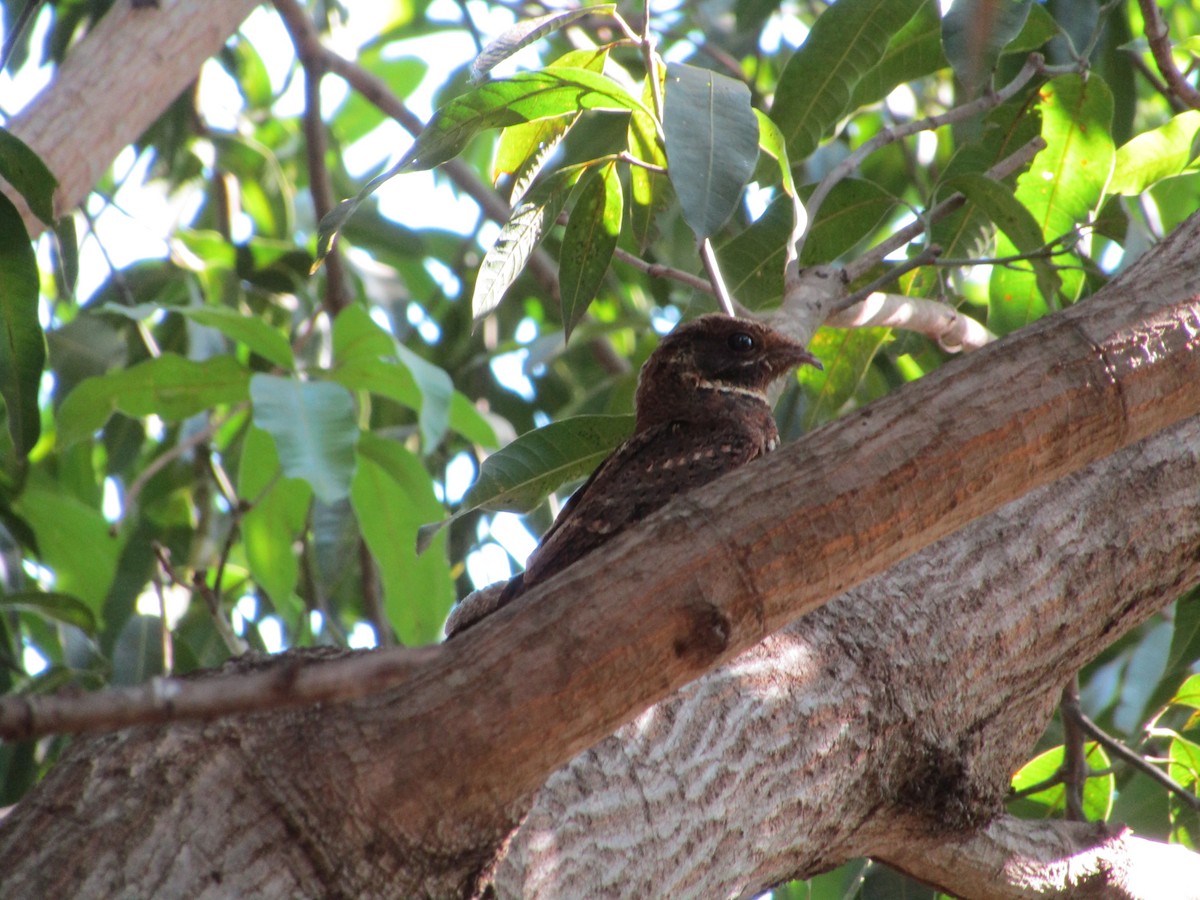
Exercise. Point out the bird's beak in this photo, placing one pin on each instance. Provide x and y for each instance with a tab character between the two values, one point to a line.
786	354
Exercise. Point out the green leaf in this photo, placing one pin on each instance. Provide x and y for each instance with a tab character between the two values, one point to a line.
975	33
753	261
649	190
21	167
845	43
1157	155
525	97
520	476
1097	790
1188	693
1064	184
168	386
998	203
846	355
392	495
520	236
466	420
711	143
257	335
913	52
314	428
523	149
275	519
52	606
772	143
22	349
526	32
367	358
1184	767
588	243
74	542
138	653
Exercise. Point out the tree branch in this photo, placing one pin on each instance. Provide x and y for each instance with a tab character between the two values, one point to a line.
89	94
1160	47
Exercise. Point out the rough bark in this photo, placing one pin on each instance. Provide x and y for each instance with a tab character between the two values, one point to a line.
888	722
921	712
113	85
411	791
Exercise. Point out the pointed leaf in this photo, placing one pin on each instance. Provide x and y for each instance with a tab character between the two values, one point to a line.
257	335
392	495
520	236
846	42
1064	184
649	190
526	32
522	150
74	542
314	429
1156	155
588	243
22	348
913	52
21	167
276	518
520	476
53	606
998	203
168	386
975	33
711	142
369	359
525	97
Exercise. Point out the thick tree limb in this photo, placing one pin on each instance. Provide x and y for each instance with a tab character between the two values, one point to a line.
888	722
480	725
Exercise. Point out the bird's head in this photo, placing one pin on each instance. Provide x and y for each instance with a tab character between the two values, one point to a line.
715	352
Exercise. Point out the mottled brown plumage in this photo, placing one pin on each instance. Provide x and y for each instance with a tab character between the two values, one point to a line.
702	410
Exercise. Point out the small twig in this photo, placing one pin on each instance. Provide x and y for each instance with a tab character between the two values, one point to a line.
1074	768
1160	47
1044	785
312	57
168	646
1118	749
890	135
926	257
709	256
157	464
899	238
233	643
372	602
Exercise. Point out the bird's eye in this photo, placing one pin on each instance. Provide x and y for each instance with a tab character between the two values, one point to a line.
741	342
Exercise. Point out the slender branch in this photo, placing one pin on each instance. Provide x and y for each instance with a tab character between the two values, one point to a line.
170	455
709	256
234	644
1074	768
941	322
1119	750
899	238
926	257
890	135
1160	47
312	57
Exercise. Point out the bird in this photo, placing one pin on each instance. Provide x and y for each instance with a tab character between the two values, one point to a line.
701	411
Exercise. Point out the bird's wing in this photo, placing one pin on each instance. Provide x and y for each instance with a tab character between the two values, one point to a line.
636	479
